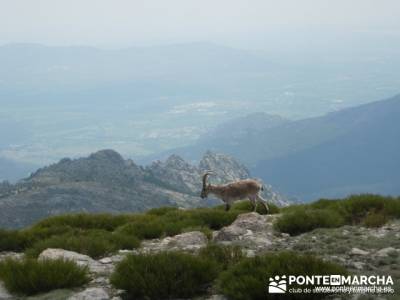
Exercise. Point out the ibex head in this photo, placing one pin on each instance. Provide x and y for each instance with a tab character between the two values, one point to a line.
205	189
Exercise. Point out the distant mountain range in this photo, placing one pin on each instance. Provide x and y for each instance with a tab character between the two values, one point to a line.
60	101
356	150
348	151
106	182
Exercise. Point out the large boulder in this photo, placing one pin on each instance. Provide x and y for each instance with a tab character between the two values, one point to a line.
80	259
251	231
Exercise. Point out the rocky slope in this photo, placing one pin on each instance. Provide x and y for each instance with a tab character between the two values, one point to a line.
361	250
106	182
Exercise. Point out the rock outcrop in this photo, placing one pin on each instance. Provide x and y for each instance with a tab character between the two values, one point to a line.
91	294
106	182
253	232
189	241
80	259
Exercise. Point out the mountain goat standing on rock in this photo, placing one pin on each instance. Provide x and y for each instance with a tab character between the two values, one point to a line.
231	192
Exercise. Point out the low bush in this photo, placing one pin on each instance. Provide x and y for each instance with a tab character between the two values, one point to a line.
87	221
223	255
30	276
213	219
249	278
160	211
305	219
374	220
95	243
171	221
143	227
13	240
369	210
164	275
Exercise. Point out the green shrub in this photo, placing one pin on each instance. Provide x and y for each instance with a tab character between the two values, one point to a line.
30	276
164	275
224	256
214	219
175	221
366	209
375	220
143	227
358	206
87	221
160	211
273	209
248	279
38	232
305	219
13	240
392	208
95	243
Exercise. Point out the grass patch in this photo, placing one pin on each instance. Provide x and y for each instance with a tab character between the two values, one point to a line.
29	276
143	227
164	275
99	234
374	220
367	209
306	219
13	240
160	211
224	256
107	222
249	278
95	243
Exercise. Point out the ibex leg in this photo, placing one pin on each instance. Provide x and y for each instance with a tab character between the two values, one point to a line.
253	202
263	202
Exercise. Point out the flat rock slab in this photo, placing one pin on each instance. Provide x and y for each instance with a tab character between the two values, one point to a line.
356	251
91	294
188	241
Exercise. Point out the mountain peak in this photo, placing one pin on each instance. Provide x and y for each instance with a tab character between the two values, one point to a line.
107	154
175	159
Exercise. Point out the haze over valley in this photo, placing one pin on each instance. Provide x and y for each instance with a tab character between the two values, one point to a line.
70	101
282	90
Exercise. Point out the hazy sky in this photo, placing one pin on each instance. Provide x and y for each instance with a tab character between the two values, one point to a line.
115	23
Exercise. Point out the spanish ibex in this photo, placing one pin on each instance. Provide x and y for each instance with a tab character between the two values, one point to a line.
231	192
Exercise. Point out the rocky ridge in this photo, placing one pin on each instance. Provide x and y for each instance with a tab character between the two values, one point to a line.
106	182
